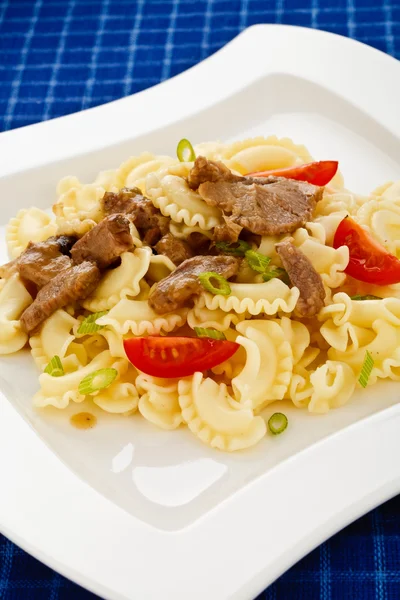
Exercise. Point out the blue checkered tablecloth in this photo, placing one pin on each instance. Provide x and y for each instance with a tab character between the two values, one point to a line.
60	56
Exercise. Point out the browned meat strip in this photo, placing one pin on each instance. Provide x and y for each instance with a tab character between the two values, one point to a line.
199	243
152	225
71	285
121	202
228	232
177	289
177	250
40	262
209	170
264	206
303	275
105	242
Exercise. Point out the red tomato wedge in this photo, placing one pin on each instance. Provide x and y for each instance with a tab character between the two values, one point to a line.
317	173
369	261
177	356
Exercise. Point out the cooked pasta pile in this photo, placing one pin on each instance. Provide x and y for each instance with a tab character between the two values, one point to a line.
313	362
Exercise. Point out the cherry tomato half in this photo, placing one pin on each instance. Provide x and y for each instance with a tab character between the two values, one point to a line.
369	261
177	356
318	173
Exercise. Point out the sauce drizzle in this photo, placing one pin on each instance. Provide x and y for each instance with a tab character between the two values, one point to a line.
83	420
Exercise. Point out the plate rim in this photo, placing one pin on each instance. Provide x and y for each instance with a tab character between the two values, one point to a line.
16	436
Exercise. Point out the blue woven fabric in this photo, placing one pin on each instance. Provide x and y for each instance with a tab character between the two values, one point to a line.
59	56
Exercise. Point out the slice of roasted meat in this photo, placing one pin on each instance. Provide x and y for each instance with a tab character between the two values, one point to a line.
263	206
69	286
151	224
41	261
105	242
302	275
176	290
176	250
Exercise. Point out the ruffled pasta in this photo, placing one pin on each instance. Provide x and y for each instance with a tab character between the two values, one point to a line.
14	299
382	341
254	299
171	194
133	172
121	282
60	391
30	225
335	202
214	319
160	266
332	386
382	217
329	262
263	154
269	363
137	317
53	339
121	397
159	401
78	207
215	417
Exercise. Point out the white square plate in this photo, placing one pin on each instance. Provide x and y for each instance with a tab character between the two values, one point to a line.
131	512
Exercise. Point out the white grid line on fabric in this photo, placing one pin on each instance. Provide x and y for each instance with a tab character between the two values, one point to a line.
6	566
169	46
279	10
351	25
325	572
87	96
206	29
57	63
379	558
56	582
244	8
265	10
121	31
132	47
4	7
388	27
314	14
13	98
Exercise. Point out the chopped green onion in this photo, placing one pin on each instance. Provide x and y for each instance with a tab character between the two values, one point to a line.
274	272
367	297
210	333
238	248
224	289
89	325
277	423
55	368
366	369
258	262
185	152
98	380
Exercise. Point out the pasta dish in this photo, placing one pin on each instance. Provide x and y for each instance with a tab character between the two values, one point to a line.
196	290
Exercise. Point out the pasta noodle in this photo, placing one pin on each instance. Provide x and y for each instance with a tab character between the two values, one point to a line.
30	225
121	282
269	364
264	298
159	401
215	417
14	298
137	317
54	338
60	391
